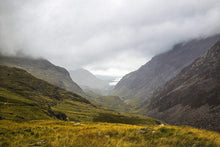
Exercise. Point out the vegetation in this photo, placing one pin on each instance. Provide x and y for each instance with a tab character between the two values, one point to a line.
24	97
44	70
125	119
61	133
113	102
32	113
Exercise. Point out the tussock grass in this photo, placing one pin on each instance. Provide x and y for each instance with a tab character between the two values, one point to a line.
61	133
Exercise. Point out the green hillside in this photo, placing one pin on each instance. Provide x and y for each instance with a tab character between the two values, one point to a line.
113	102
24	97
43	69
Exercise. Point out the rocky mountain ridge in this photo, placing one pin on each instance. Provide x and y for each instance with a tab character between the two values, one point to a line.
141	84
192	97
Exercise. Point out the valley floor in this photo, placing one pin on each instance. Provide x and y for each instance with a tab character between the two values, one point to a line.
68	133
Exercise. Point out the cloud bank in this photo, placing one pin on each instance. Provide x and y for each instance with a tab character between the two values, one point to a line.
111	37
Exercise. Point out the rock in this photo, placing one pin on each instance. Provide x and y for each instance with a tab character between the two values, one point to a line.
77	124
143	130
152	132
99	133
140	132
39	143
161	125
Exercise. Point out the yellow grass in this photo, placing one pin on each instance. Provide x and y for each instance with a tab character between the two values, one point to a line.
61	133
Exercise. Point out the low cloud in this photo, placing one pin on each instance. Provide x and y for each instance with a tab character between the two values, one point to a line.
107	37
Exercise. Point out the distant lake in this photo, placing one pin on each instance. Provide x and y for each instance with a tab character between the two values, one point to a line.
115	81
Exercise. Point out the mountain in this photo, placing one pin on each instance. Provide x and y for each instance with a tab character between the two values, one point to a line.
192	97
44	70
30	107
140	85
25	97
32	113
87	80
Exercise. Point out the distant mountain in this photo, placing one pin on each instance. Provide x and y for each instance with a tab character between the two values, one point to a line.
192	97
44	70
87	80
140	85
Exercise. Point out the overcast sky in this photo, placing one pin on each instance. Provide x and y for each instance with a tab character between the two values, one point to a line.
107	37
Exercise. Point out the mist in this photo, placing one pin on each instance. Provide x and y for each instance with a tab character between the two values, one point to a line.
108	38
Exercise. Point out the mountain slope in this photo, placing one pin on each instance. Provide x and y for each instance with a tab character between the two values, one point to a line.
140	85
87	80
193	96
44	70
24	97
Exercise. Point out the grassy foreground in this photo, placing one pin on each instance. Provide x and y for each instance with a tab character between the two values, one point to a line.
62	133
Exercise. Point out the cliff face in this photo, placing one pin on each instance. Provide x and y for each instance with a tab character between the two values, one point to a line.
44	70
142	83
192	97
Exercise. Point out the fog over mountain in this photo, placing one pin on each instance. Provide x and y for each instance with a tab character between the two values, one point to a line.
142	83
105	37
193	96
87	80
